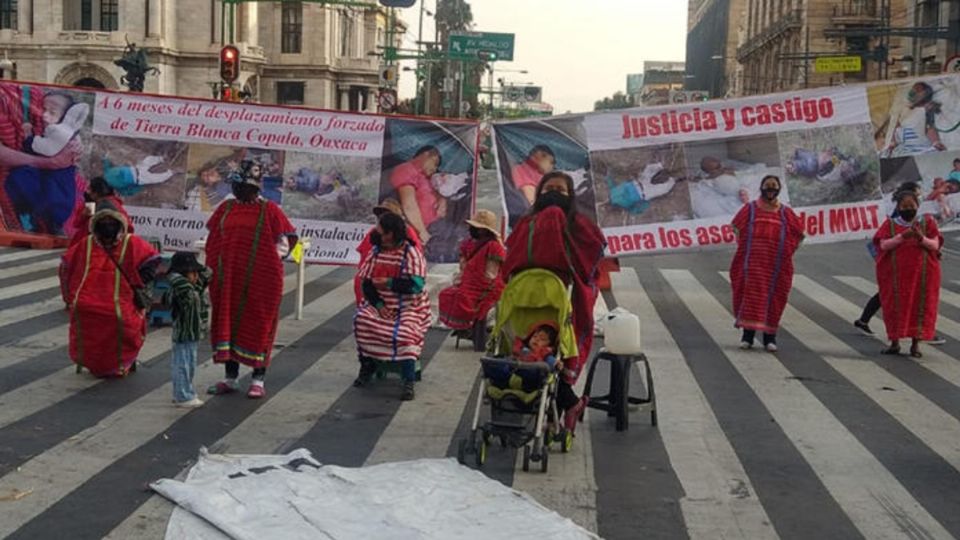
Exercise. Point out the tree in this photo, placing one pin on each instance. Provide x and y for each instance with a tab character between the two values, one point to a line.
452	16
618	101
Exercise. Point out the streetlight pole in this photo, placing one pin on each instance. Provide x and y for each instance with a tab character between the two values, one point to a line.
423	8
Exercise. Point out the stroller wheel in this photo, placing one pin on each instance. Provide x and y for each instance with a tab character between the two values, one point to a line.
526	458
543	462
566	441
481	454
462	452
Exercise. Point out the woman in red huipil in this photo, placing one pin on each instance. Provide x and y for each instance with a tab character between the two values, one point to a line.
479	284
908	271
761	273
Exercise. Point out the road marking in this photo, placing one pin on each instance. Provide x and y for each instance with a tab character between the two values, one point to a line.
31	287
944	325
719	499
28	311
25	254
933	360
38	266
61	469
877	504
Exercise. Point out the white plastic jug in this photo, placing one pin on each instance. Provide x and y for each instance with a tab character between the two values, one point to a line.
621	333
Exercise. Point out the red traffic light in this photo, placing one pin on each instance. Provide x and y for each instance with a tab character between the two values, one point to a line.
229	64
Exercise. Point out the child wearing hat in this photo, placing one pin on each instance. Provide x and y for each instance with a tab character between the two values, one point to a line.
188	281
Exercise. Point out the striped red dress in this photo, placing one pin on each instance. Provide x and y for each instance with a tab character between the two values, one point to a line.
761	273
400	338
247	283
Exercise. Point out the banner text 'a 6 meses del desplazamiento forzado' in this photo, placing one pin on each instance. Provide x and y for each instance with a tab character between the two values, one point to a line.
172	160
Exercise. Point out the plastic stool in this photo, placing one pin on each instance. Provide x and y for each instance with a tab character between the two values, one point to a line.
617	402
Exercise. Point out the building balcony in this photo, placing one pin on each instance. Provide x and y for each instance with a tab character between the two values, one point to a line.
856	13
792	20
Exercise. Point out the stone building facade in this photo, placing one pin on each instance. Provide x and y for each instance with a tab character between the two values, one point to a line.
293	52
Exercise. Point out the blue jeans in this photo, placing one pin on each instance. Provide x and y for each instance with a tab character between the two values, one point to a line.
182	368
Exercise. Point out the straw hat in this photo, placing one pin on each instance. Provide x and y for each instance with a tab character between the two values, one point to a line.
388	205
485	219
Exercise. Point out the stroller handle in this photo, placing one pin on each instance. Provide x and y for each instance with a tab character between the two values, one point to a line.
511	363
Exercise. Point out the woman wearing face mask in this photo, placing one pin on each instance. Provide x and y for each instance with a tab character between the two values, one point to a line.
555	236
761	274
479	285
97	277
392	321
908	271
366	245
247	283
97	190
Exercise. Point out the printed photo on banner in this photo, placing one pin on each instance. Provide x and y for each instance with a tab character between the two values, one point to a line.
726	174
211	168
428	168
830	165
143	172
330	188
528	150
44	135
638	186
938	176
918	117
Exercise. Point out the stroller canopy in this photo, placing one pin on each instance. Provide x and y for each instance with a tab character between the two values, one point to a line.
530	297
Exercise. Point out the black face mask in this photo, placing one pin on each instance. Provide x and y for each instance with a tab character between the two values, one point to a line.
476	234
908	215
770	193
553	198
376	238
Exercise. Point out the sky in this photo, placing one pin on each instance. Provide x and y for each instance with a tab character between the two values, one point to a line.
580	51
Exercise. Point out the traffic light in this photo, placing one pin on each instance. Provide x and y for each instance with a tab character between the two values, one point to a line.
487	56
229	64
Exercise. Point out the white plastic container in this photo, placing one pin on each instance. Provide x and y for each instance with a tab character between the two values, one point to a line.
621	333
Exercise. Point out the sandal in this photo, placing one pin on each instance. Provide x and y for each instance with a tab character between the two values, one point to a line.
915	352
895	350
221	388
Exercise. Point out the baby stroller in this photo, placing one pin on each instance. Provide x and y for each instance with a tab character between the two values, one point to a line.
518	416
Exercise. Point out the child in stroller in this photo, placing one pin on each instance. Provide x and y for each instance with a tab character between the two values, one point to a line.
532	332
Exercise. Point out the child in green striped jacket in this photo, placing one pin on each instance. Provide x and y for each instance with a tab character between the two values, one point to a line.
188	280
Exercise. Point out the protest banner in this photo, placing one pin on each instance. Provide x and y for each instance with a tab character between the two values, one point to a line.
172	159
671	178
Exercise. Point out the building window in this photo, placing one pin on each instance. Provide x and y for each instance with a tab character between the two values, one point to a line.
345	30
290	93
109	15
291	30
86	15
8	14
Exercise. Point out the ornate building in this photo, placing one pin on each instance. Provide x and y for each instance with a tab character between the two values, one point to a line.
293	52
714	28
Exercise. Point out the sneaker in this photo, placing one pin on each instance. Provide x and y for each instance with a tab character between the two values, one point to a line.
771	347
937	340
407	394
256	390
189	404
863	327
226	386
745	345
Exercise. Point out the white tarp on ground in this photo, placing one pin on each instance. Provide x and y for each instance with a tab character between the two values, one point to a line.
294	497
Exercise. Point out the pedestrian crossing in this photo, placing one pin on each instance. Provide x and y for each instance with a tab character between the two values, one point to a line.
826	439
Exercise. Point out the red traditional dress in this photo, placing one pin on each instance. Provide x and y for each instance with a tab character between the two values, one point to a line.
402	337
366	247
106	328
761	273
469	300
909	278
247	285
571	250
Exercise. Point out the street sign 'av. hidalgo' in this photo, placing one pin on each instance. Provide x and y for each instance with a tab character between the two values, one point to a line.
468	45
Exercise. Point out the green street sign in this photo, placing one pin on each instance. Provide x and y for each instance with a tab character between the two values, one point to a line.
469	45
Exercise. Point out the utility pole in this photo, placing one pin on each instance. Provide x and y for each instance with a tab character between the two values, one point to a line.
419	101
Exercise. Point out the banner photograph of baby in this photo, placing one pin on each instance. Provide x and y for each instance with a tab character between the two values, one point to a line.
832	165
726	174
44	134
939	178
638	186
330	187
428	168
528	150
914	118
144	172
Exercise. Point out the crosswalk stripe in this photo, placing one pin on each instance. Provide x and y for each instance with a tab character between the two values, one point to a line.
719	501
938	363
944	325
874	500
30	268
33	286
21	254
27	311
280	421
61	469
